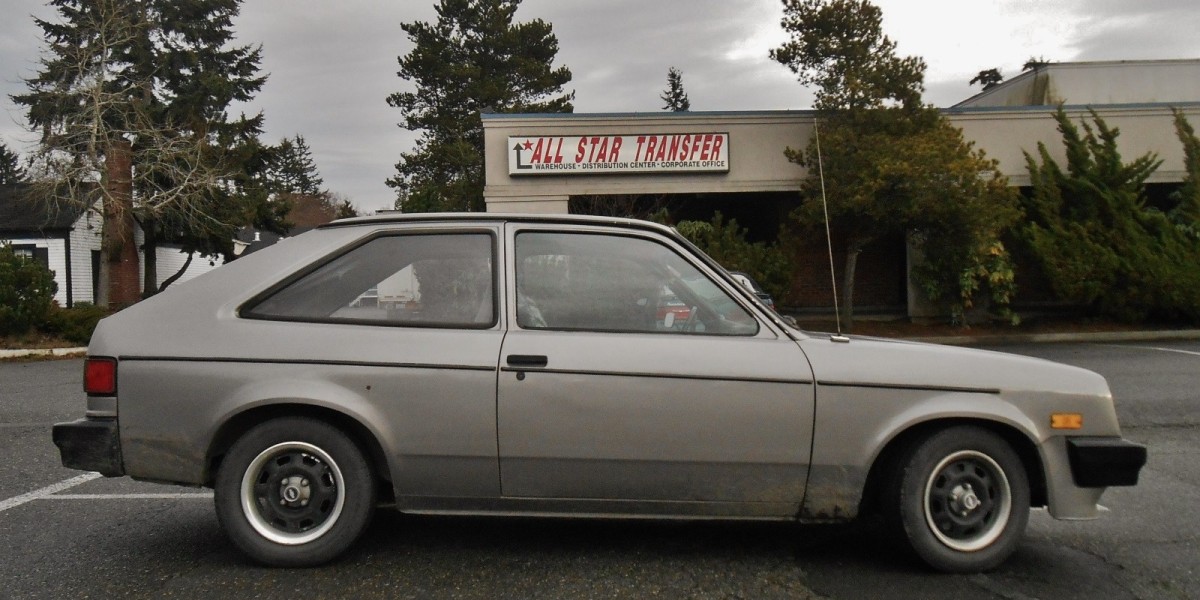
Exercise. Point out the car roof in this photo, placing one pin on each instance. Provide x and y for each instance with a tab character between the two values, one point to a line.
476	217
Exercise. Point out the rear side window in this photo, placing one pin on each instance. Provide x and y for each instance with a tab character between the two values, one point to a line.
433	280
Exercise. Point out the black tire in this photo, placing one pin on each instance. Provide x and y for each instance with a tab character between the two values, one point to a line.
294	492
960	499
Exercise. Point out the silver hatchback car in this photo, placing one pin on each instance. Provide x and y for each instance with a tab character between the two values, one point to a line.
559	365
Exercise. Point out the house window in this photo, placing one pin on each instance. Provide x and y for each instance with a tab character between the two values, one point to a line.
32	252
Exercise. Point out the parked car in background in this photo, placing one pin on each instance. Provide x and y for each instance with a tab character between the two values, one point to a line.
762	295
537	365
753	286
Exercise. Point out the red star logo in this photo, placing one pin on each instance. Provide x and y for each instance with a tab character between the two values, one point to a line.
528	145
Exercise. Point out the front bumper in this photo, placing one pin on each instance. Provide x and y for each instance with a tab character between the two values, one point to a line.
90	445
1105	461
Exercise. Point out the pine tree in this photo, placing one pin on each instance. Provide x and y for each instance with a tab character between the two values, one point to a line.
988	78
473	59
293	170
892	165
839	46
136	92
676	100
10	166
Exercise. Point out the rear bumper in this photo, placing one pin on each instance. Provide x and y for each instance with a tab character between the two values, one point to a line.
90	445
1103	461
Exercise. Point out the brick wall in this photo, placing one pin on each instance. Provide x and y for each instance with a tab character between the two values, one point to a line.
879	278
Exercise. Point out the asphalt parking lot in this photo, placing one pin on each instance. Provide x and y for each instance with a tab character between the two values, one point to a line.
70	534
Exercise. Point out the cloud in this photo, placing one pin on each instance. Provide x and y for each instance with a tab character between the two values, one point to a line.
1164	30
619	52
332	64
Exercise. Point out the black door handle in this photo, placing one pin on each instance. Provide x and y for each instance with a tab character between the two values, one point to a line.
527	360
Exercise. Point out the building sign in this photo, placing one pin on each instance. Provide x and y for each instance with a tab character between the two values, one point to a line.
617	154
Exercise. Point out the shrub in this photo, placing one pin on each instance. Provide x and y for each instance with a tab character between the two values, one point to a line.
74	324
726	243
1099	244
26	292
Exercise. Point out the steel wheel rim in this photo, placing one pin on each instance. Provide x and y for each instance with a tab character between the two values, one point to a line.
967	501
292	493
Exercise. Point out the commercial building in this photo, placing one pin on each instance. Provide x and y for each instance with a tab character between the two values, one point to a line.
734	162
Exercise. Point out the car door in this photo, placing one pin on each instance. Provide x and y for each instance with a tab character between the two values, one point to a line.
630	372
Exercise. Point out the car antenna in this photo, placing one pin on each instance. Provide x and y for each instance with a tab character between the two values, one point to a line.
837	313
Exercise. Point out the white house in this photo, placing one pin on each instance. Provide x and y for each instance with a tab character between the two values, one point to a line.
67	241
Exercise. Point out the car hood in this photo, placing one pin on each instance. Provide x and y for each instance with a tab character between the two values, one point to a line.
898	363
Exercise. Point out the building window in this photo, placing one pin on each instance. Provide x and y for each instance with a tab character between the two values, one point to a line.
32	252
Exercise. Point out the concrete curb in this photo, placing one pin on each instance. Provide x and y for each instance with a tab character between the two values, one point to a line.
42	352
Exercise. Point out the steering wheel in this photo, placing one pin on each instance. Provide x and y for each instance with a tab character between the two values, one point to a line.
690	323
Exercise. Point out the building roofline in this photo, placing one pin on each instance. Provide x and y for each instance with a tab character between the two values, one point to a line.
21	212
951	110
649	115
1109	63
1089	64
1030	108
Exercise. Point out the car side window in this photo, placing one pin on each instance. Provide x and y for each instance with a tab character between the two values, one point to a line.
433	280
590	282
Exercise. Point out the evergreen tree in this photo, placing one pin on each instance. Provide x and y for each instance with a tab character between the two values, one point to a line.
10	166
135	93
473	59
1034	63
1186	211
988	78
676	100
1098	243
892	166
293	170
343	207
292	180
839	46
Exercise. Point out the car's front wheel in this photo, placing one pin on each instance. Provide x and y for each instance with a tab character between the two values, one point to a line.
961	499
294	492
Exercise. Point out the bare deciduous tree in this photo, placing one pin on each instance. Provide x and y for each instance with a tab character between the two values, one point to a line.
129	117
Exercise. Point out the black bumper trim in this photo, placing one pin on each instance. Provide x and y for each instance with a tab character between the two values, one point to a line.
1105	461
90	445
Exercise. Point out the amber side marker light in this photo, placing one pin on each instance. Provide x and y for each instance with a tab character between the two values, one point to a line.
100	376
1066	421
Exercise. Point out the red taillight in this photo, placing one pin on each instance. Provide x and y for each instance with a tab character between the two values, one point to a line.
100	376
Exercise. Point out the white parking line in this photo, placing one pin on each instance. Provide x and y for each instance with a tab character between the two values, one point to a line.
46	491
200	495
1176	350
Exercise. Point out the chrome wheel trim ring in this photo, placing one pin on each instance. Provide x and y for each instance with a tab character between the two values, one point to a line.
1001	504
250	499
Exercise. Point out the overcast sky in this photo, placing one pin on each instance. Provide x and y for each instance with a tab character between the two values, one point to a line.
332	64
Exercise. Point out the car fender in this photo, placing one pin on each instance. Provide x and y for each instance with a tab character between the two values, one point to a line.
256	396
854	425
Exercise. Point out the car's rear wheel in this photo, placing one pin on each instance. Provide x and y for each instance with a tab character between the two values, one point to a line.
294	492
960	499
